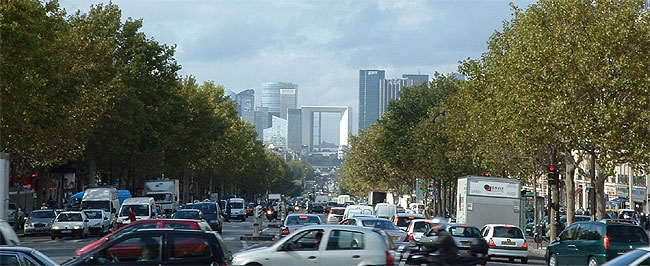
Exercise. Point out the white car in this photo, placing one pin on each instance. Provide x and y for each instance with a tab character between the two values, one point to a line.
294	222
353	210
417	228
325	245
387	226
506	241
74	223
336	215
99	222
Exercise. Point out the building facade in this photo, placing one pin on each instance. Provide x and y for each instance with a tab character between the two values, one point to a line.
288	100
294	127
271	95
246	105
418	79
369	96
262	121
389	91
276	135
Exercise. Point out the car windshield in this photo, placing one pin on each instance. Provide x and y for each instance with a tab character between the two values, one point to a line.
140	210
105	205
338	211
93	214
381	224
251	205
12	206
421	227
42	214
236	205
507	231
626	234
464	231
194	215
206	208
161	197
302	220
69	217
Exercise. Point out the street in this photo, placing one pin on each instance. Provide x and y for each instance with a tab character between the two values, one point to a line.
62	250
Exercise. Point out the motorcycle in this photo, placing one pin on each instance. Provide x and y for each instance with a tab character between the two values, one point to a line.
414	255
296	208
271	215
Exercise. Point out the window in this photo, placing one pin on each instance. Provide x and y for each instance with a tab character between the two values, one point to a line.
302	220
346	240
307	241
9	260
140	210
421	227
626	234
569	233
178	225
181	247
30	262
133	228
509	232
464	231
134	249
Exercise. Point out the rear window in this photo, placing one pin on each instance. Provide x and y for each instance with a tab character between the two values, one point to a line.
406	220
626	234
380	224
421	227
466	231
509	232
338	211
302	220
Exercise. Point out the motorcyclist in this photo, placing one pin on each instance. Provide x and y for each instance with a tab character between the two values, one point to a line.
444	244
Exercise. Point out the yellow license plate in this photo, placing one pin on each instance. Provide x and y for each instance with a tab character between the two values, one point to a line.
394	237
509	243
467	243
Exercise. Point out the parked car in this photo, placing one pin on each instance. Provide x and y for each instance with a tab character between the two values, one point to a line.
335	215
402	220
160	246
295	221
506	241
594	243
416	229
72	223
190	214
99	221
468	239
324	244
24	256
141	224
39	221
393	231
8	236
636	257
212	213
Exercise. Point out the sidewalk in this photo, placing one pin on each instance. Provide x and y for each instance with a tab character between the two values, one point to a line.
534	250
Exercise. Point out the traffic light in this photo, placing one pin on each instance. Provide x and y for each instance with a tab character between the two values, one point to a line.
552	175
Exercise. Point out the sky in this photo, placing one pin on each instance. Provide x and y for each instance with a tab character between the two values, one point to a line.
319	45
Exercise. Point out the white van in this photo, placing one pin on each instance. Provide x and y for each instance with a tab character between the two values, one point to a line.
101	198
353	210
144	208
386	211
237	209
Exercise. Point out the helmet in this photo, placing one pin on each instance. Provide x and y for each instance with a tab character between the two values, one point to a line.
440	221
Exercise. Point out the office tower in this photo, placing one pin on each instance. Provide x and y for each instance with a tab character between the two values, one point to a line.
369	97
276	135
288	100
271	96
389	91
417	78
262	118
294	127
246	105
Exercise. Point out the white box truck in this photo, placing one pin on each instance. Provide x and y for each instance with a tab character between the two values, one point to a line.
166	193
489	200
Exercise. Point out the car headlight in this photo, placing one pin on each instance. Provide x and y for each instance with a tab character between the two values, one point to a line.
77	227
56	227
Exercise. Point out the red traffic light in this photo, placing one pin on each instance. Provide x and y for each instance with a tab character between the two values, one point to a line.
552	168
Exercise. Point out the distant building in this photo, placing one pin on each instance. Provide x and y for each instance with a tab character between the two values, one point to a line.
246	105
262	121
389	91
276	135
271	95
417	79
288	100
294	127
369	97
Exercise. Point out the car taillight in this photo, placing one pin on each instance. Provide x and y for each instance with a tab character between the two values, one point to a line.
389	259
285	231
331	211
525	245
491	243
409	238
396	220
606	242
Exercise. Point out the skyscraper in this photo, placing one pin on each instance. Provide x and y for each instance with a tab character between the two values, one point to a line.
271	96
288	100
369	97
262	121
417	78
389	91
246	105
294	127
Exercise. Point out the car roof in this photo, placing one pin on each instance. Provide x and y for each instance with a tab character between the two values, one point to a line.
138	200
188	210
461	224
403	214
302	214
341	227
67	212
493	225
16	249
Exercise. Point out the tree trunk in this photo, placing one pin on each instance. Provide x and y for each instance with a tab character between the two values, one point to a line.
600	197
570	187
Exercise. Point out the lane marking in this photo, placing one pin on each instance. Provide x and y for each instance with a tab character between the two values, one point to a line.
228	238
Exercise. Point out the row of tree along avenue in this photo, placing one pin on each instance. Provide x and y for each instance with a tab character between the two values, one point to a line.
562	83
92	90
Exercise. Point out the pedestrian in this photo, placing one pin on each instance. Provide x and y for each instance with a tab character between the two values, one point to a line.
43	206
228	210
131	215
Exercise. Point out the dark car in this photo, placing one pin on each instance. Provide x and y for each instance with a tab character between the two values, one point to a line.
24	256
160	246
316	207
594	243
211	211
469	241
250	208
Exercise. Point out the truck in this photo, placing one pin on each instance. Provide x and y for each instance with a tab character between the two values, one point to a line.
166	193
342	199
489	200
322	198
375	197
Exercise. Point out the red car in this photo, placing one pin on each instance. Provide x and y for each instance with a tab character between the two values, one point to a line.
140	224
250	209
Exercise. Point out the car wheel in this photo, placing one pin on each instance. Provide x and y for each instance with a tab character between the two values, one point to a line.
524	260
552	260
253	264
592	261
511	259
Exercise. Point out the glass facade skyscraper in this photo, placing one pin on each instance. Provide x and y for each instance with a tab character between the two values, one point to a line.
294	124
389	91
246	105
271	96
369	96
418	79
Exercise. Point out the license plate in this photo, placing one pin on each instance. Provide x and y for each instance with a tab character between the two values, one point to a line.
509	243
66	231
467	244
394	237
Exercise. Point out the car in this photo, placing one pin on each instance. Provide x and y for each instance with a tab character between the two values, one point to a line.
393	231
530	229
161	223
386	210
39	221
250	208
468	239
11	211
324	244
316	207
416	229
143	207
506	241
72	223
237	209
212	213
353	210
594	242
329	205
190	214
402	220
335	215
159	246
99	221
294	221
24	256
636	257
8	236
417	208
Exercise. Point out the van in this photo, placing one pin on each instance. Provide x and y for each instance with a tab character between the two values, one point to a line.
386	211
101	198
353	210
237	209
144	208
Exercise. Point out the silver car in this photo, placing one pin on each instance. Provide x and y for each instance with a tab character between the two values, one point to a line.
387	226
74	223
295	221
99	221
39	221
